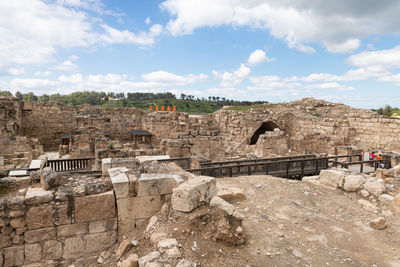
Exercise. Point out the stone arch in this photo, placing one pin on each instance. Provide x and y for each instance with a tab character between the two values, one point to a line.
268	126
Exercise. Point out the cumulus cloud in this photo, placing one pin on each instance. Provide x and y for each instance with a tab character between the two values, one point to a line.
42	73
380	59
66	66
114	36
258	57
54	25
299	23
230	79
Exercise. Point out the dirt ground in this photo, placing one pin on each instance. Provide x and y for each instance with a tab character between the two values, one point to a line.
294	223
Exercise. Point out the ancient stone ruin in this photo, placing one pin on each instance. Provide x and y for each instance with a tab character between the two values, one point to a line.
89	186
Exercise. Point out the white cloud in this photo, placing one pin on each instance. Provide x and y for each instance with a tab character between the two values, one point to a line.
332	85
16	71
380	59
337	25
230	79
345	47
167	78
31	83
114	36
147	21
67	66
53	25
43	73
258	57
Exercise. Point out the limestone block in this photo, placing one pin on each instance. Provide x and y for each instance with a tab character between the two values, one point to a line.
38	235
52	250
119	181
95	207
62	215
127	226
148	258
123	247
368	206
185	263
379	173
230	193
375	186
227	208
353	183
16	214
37	195
385	198
5	240
16	203
395	204
334	178
73	247
39	216
33	253
133	208
190	194
18	222
72	229
13	256
378	223
154	184
131	261
99	241
102	226
105	165
167	243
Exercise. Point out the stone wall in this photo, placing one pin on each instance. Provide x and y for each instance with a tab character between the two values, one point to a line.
51	227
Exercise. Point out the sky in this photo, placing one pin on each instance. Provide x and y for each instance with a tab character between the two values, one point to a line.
265	50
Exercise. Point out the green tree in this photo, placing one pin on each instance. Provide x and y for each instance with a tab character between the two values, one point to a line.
18	95
387	110
5	93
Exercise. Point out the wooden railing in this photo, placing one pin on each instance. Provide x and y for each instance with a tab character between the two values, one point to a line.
60	165
295	166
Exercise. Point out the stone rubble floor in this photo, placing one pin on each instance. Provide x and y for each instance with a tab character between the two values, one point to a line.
294	223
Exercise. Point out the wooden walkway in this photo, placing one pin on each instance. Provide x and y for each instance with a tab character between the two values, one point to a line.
288	167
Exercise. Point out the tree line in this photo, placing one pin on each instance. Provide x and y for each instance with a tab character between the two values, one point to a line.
186	102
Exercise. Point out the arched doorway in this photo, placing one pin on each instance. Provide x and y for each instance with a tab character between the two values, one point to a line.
268	126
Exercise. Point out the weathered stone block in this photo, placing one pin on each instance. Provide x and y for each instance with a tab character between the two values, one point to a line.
39	216
353	183
154	184
102	226
375	186
36	195
52	250
105	165
95	207
38	235
131	261
100	241
5	240
334	178
16	203
127	226
33	253
190	194
13	256
133	208
62	214
72	229
73	247
18	222
119	181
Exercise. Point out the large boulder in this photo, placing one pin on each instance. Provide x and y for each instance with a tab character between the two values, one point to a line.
353	183
333	178
191	194
375	186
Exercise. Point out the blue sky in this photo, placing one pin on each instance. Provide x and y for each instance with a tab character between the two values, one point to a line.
272	50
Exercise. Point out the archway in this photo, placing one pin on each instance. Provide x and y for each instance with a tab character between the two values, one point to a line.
265	127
